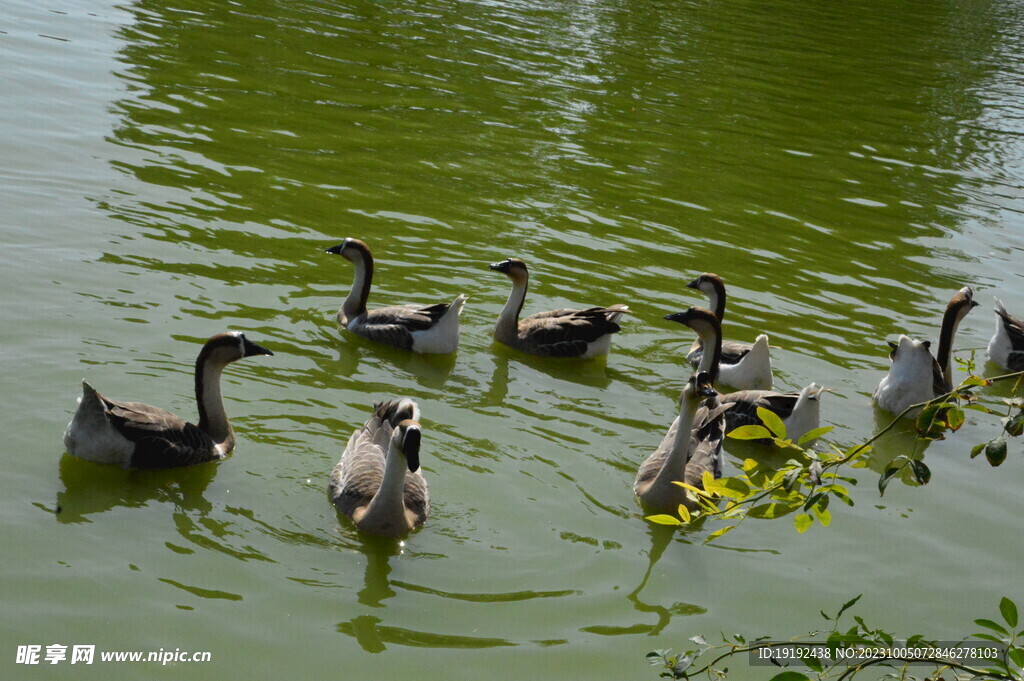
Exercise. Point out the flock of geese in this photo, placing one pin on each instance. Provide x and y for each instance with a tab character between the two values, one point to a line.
378	482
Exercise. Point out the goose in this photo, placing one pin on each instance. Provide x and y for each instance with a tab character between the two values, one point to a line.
378	482
432	329
135	435
1007	345
557	333
692	445
743	365
799	411
915	376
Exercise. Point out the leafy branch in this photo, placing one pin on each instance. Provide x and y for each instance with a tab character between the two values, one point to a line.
833	653
808	482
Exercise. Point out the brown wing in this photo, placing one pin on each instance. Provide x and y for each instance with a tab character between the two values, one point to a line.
566	333
162	439
744	404
1014	329
732	352
394	325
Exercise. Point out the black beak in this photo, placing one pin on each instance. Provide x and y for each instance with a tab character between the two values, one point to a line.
892	345
411	448
252	349
499	266
680	317
694	284
335	250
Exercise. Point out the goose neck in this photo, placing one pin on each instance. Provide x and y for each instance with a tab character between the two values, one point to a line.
711	337
508	321
388	504
674	467
355	303
950	322
213	420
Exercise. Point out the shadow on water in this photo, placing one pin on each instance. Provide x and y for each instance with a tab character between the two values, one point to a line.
593	373
92	488
368	629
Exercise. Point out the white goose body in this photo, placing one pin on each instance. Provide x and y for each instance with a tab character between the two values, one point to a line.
743	365
136	435
800	412
1006	348
910	378
429	329
915	376
556	333
378	482
692	445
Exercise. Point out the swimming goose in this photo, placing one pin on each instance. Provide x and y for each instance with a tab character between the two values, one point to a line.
420	328
743	365
378	482
557	333
136	435
1007	345
692	445
800	412
915	376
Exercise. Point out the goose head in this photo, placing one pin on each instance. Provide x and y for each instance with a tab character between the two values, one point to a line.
351	249
709	284
405	440
701	320
227	347
514	268
702	384
707	326
956	309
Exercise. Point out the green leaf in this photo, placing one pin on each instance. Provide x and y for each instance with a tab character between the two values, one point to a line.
1016	656
955	418
750	433
772	422
772	510
684	513
978	449
656	656
718	533
823	515
847	605
1009	611
930	424
989	637
921	472
790	676
989	624
802	521
664	519
731	488
791	481
971	381
813	499
979	407
813	664
1014	425
995	452
883	481
813	434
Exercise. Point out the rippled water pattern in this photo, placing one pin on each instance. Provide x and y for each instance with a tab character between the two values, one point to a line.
177	169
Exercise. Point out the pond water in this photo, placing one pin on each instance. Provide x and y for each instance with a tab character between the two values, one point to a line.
172	170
